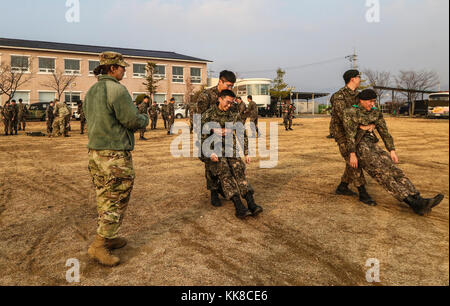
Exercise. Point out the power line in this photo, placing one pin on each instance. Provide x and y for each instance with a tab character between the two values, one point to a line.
290	67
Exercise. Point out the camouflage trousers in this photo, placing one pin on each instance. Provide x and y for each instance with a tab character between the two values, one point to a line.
164	118
229	176
22	123
254	128
142	132
287	122
351	175
59	126
6	124
13	126
113	177
49	126
82	125
154	122
379	165
170	122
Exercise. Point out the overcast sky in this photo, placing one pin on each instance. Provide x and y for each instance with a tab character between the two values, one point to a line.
254	35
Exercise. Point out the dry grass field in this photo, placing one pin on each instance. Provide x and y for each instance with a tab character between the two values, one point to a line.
306	236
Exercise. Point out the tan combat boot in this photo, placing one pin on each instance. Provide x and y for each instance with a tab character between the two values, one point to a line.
99	252
116	243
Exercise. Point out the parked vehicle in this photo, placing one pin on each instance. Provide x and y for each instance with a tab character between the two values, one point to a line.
36	111
421	108
438	105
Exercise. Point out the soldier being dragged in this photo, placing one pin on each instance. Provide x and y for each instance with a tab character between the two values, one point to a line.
360	121
229	171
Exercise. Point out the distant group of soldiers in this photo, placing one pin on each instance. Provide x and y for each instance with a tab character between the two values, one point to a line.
14	117
58	115
167	111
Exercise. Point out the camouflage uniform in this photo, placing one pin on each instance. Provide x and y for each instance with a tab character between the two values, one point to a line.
227	175
60	113
82	118
113	177
242	108
164	114
252	113
50	118
374	160
207	99
14	111
143	109
21	116
171	114
343	99
191	108
288	114
153	113
6	115
67	121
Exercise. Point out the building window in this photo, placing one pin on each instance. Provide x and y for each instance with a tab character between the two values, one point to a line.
47	96
196	76
92	66
139	70
265	90
179	99
177	74
160	72
24	95
46	65
19	63
159	98
72	66
242	90
76	97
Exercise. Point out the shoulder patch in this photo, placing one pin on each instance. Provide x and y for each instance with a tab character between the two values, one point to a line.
374	108
355	106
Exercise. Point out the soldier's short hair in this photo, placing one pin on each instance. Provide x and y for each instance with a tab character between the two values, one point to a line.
227	93
228	76
250	97
13	101
146	97
20	100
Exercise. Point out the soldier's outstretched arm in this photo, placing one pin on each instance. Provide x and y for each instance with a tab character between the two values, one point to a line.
384	133
126	113
203	102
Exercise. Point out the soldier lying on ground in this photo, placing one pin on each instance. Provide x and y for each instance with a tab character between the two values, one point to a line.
229	171
360	121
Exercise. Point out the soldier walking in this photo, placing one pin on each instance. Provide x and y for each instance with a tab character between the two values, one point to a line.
360	122
164	113
50	118
170	115
143	109
112	120
82	117
252	113
21	115
345	98
241	108
6	115
14	113
288	115
229	171
153	112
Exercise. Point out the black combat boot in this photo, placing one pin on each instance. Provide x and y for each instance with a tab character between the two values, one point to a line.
241	211
423	206
365	197
344	190
255	209
215	201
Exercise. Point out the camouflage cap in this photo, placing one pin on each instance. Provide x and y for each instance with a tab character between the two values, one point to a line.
112	58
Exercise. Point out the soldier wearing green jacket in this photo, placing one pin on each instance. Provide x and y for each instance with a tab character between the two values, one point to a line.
112	120
360	122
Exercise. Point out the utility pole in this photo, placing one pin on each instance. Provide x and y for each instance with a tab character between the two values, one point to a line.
353	59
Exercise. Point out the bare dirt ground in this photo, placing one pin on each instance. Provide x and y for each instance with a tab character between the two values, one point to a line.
306	236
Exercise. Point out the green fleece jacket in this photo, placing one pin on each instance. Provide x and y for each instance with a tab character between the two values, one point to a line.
111	116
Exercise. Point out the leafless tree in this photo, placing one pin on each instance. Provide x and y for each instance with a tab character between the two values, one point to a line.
416	80
59	81
378	78
12	78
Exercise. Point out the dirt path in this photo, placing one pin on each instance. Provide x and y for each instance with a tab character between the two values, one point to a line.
306	236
